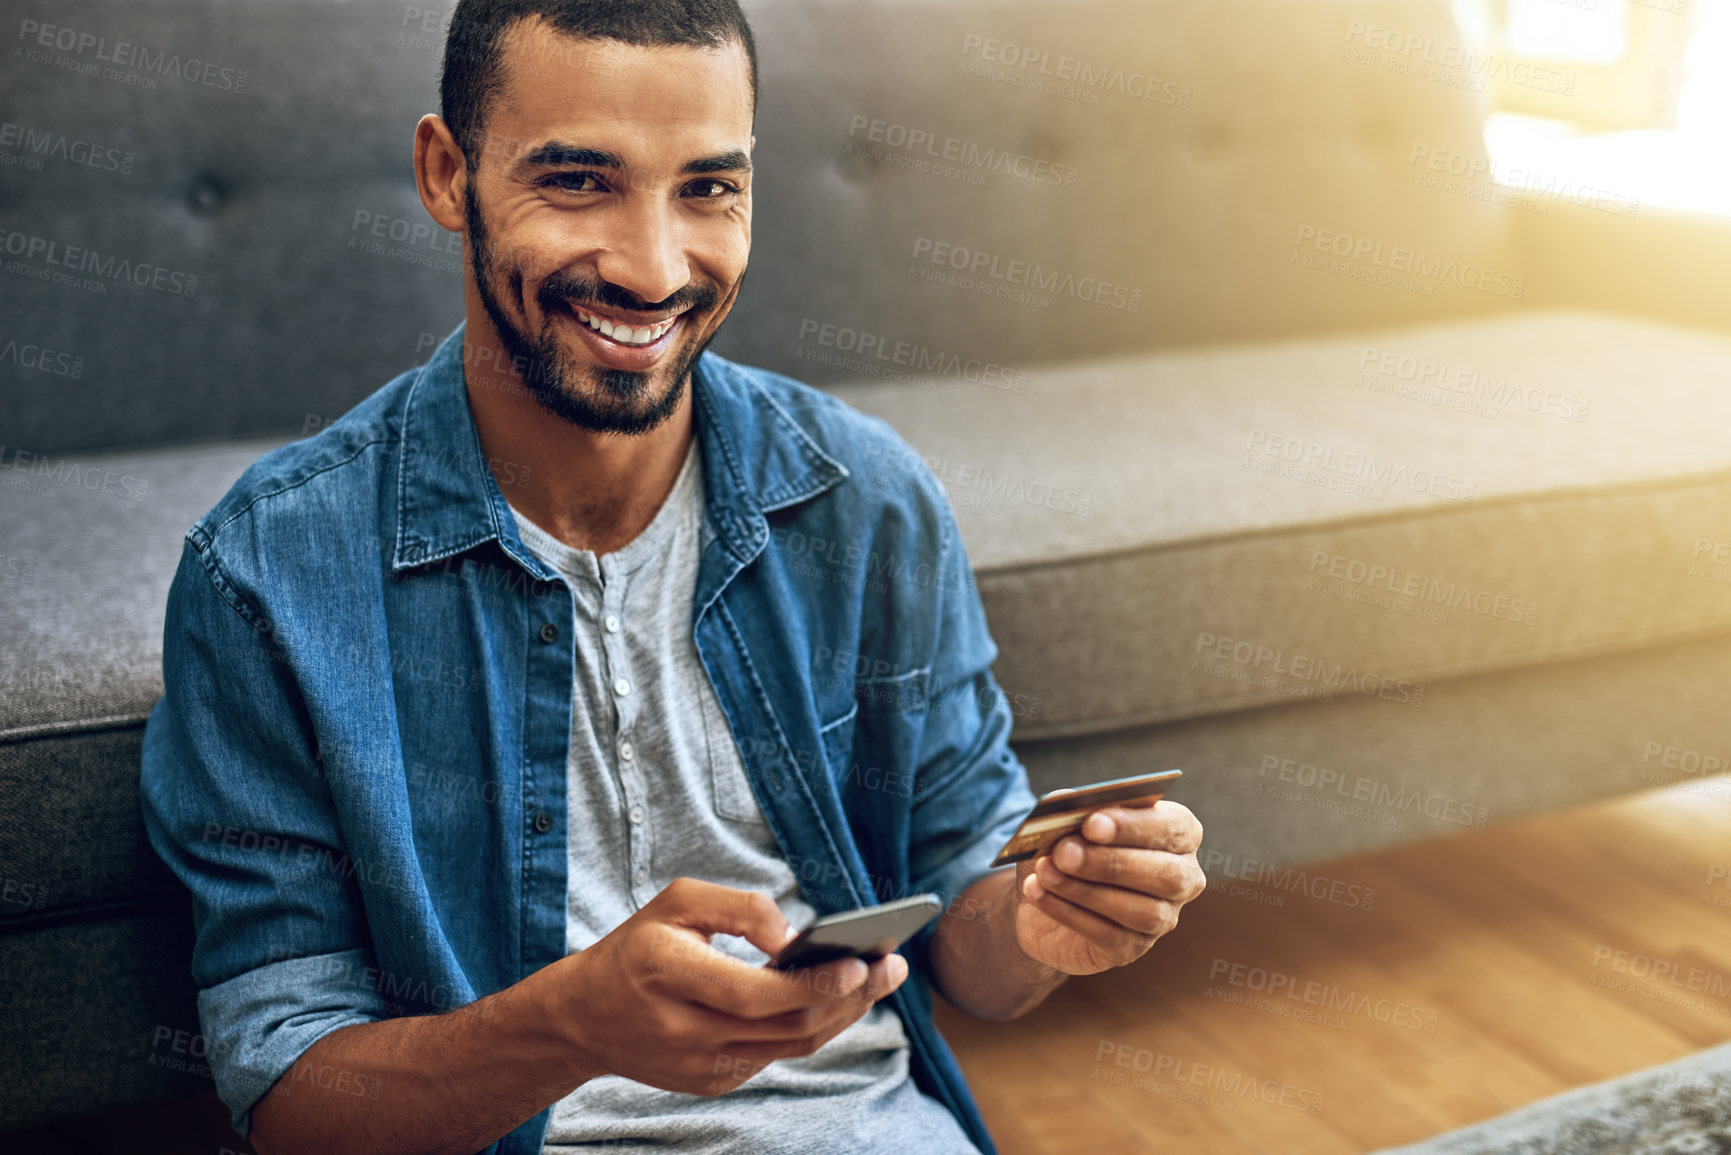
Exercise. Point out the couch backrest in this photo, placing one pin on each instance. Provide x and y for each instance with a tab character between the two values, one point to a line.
213	230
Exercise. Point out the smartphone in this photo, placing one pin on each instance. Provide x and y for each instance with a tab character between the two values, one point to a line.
1062	812
869	934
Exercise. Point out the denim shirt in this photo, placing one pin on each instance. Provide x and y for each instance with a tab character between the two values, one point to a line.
358	766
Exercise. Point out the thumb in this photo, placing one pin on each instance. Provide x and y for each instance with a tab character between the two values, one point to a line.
710	909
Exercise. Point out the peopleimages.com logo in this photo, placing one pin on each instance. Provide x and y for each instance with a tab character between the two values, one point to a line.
977	263
1374	791
123	54
933	145
1374	472
1451	63
1070	77
1327	997
1378	576
1231	1085
859	350
42	474
111	268
42	359
1464	388
1276	669
35	144
1400	259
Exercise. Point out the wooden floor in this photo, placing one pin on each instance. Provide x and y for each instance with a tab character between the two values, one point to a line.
1308	1026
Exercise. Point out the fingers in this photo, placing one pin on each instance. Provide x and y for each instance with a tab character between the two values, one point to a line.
1119	943
1174	877
738	1049
824	1021
712	979
842	1007
1139	912
696	972
711	909
1168	826
884	977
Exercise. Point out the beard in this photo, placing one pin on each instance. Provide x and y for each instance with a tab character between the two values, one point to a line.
596	398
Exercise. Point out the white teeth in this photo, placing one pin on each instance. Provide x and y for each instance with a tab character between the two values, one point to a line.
625	334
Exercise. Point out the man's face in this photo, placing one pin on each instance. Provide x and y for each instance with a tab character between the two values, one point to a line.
609	218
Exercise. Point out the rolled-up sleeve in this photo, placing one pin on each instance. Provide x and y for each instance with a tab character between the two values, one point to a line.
263	1020
236	804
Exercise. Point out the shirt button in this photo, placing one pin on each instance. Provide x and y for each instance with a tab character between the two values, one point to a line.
612	623
627	751
637	814
543	822
549	632
642	874
621	687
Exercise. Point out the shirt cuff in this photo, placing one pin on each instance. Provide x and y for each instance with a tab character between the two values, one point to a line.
257	1024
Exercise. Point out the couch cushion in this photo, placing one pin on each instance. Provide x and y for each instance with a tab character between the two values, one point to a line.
1194	532
90	544
99	1013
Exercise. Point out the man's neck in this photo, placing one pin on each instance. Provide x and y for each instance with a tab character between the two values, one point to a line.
593	491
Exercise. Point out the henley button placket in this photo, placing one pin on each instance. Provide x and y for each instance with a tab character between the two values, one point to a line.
640	842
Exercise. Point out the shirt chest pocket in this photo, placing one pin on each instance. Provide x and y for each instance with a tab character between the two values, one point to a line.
733	797
837	738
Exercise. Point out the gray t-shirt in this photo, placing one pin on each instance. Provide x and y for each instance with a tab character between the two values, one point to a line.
656	791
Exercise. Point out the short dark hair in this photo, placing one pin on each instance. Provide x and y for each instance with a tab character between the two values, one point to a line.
472	73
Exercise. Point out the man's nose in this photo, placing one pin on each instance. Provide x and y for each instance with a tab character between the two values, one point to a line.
647	253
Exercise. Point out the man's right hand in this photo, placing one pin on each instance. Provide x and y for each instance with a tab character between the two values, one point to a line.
654	1002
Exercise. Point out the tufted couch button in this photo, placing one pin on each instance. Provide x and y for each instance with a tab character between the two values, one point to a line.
206	197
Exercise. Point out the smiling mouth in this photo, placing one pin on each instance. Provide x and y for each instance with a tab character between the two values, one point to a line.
623	333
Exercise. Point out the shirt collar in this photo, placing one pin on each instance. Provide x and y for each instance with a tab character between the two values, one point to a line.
756	459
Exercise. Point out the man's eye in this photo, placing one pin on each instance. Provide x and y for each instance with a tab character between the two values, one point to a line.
575	182
708	189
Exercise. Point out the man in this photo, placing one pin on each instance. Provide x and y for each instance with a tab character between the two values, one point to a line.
514	694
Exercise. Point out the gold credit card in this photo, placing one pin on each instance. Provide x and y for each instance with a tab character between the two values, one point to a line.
1063	811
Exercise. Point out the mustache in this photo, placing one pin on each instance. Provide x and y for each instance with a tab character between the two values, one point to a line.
581	289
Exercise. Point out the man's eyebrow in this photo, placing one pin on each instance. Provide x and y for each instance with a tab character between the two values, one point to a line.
556	153
734	160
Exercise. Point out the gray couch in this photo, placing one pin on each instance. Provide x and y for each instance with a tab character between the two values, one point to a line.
1381	507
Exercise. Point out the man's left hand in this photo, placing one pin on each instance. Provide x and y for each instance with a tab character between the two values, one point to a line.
1104	896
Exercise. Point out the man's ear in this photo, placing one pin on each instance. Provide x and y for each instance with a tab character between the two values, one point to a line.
440	170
